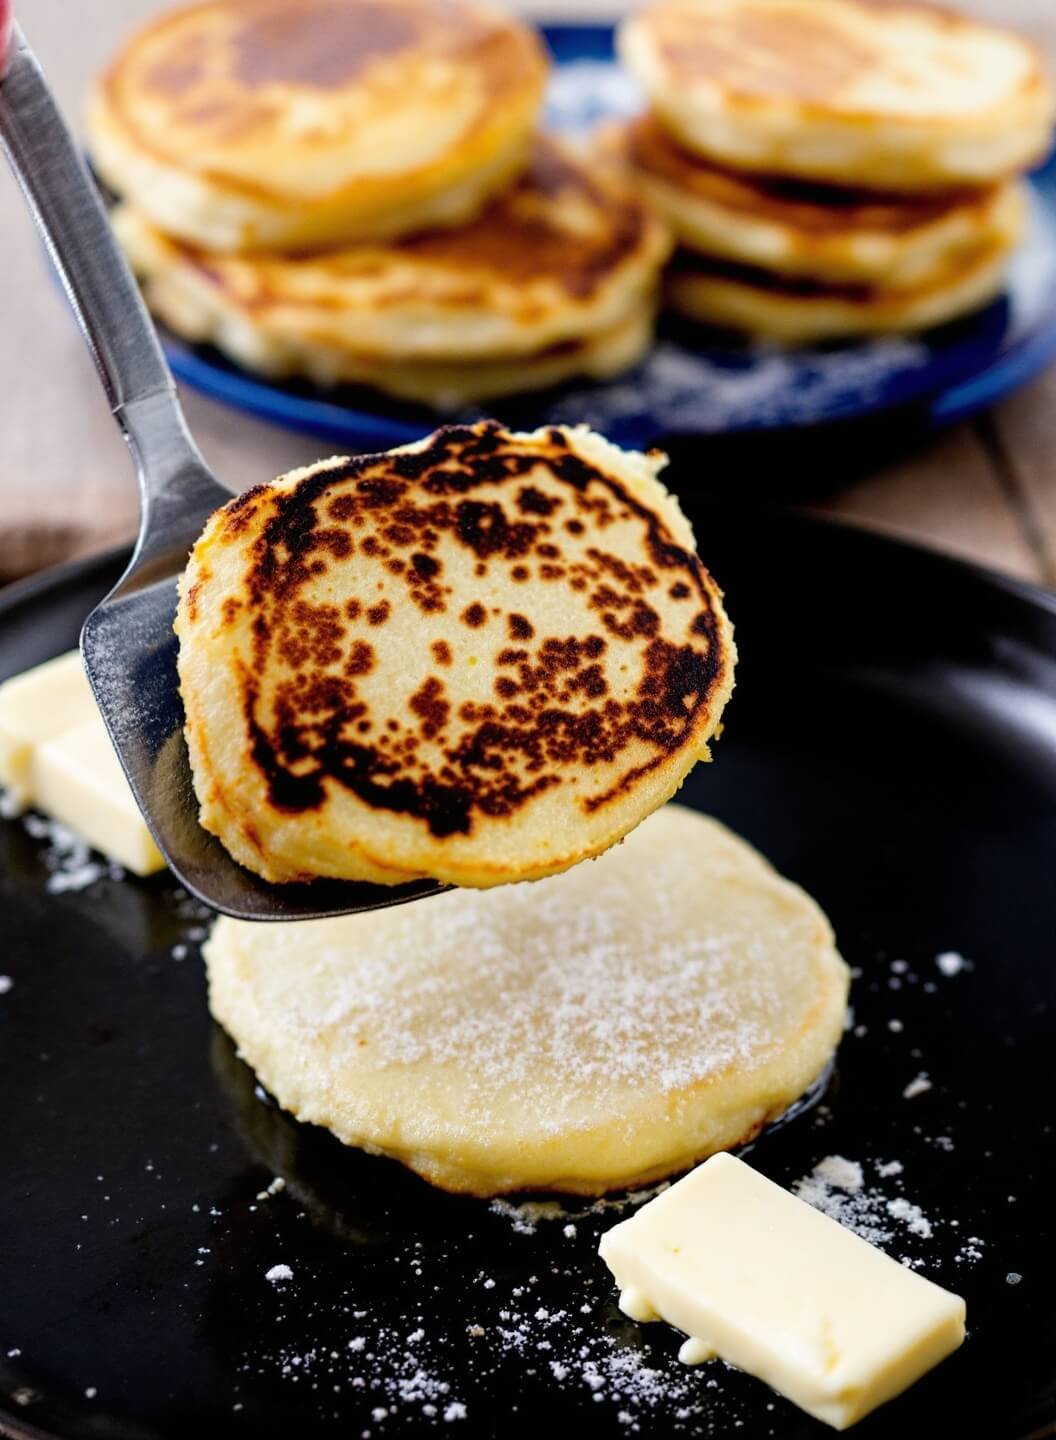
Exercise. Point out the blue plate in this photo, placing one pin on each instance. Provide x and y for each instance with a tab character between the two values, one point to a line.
696	385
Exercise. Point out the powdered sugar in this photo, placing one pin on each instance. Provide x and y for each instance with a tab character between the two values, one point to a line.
558	997
72	863
11	806
837	1187
919	1085
950	963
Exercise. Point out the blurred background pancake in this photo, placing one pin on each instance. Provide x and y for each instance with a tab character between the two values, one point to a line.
559	277
251	124
795	311
831	168
874	93
798	227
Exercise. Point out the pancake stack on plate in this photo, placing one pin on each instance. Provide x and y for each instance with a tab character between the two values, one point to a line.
832	167
357	191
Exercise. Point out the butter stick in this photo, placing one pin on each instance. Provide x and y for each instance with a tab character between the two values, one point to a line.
782	1291
55	754
35	707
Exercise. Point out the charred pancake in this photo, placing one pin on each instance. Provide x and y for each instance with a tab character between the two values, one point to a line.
802	312
243	125
603	1028
887	94
481	658
795	227
561	270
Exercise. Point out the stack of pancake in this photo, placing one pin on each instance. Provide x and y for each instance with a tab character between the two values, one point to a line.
832	167
357	191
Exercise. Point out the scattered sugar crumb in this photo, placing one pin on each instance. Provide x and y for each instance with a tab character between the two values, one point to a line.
1013	1277
569	1232
950	963
911	1215
455	1411
6	984
888	1168
11	806
277	1273
896	1026
919	1086
841	1173
90	1393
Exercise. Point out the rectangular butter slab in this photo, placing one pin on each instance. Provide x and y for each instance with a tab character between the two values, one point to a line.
77	779
34	707
782	1291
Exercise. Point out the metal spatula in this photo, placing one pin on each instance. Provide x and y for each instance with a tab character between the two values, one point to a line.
127	643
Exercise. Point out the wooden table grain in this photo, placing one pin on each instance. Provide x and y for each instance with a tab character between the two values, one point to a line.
985	490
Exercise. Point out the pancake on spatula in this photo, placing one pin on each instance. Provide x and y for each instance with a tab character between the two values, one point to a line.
481	658
602	1028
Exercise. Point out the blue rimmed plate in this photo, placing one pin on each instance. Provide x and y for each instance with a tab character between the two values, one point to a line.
692	384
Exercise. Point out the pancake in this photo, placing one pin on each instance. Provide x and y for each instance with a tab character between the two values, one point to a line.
887	94
243	125
564	259
481	658
604	1028
800	312
448	386
792	227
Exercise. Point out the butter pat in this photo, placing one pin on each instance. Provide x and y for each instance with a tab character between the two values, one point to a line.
782	1291
55	754
35	707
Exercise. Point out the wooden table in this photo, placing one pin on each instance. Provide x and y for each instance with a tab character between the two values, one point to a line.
986	490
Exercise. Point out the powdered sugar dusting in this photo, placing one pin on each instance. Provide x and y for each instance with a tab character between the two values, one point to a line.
72	863
837	1187
619	976
950	963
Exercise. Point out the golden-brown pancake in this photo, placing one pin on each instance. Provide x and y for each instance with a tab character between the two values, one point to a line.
244	125
558	277
802	312
481	658
600	1029
795	227
881	94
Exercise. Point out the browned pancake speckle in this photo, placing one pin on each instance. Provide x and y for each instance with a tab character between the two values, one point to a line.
553	710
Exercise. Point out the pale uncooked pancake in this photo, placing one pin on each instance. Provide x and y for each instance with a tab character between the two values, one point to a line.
889	94
481	658
559	277
255	124
791	227
793	312
600	1029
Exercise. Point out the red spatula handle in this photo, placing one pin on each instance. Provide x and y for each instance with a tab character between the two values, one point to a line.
6	22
